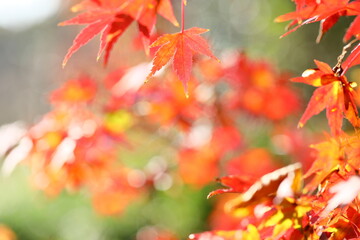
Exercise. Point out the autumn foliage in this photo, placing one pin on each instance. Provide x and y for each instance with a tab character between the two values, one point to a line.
203	109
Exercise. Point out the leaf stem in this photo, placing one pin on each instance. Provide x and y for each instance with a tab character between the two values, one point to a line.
183	3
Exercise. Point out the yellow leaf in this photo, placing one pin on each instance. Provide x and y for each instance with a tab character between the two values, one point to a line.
251	233
282	227
118	122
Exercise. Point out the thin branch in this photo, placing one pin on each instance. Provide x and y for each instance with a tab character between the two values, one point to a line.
183	3
337	68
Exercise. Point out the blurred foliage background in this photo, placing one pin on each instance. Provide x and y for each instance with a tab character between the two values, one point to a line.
30	66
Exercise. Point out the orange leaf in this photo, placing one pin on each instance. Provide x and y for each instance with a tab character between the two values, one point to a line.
85	36
181	47
75	91
6	233
328	159
236	184
267	186
335	94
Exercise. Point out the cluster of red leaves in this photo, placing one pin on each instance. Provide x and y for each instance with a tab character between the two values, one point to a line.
210	137
260	89
324	202
111	18
72	147
327	12
76	144
277	206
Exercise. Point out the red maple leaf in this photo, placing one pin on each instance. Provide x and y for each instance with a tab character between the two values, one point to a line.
181	47
334	93
111	18
327	12
266	187
353	59
235	184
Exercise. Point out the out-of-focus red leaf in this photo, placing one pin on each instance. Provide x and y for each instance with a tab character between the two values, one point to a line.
191	160
211	70
80	90
259	89
226	138
257	158
113	78
113	198
167	104
6	233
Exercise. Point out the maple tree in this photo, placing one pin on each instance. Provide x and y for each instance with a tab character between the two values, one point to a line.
287	188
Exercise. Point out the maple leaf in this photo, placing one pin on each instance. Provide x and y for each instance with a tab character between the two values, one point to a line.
236	184
329	159
144	11
266	187
112	18
181	47
353	30
334	93
326	11
111	27
352	60
326	24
